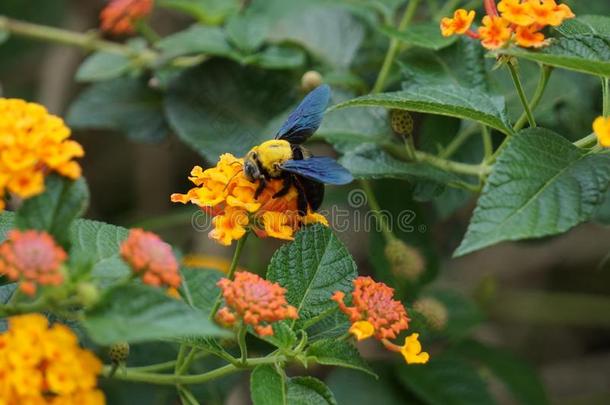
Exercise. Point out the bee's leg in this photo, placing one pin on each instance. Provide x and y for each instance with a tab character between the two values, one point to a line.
287	178
261	187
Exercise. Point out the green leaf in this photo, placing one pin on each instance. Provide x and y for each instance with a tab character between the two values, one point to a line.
586	25
332	352
96	239
278	57
312	268
138	313
283	336
7	222
54	210
4	36
518	376
195	40
588	54
540	185
351	387
423	35
208	12
331	326
445	380
329	33
308	391
6	292
267	386
369	162
450	100
222	107
107	272
248	30
202	289
124	104
102	66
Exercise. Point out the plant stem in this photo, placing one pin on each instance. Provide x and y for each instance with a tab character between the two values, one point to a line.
393	47
172	379
147	32
586	141
487	144
376	209
606	96
180	358
514	74
462	136
545	74
186	363
240	245
241	341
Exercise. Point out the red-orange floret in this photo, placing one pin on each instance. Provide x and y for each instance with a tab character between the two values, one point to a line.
151	258
374	302
254	300
33	258
119	16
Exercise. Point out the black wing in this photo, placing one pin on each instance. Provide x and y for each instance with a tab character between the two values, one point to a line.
306	118
319	168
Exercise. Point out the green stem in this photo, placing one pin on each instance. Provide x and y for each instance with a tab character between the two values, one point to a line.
545	74
188	360
147	32
187	397
586	141
240	245
487	144
156	367
172	379
394	46
241	341
462	136
606	96
514	74
180	359
376	209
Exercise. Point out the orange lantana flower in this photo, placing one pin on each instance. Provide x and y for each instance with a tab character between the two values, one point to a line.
119	16
516	12
255	301
151	259
32	258
495	32
530	37
459	24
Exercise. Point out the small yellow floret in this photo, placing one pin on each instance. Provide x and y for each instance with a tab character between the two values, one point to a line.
362	330
601	127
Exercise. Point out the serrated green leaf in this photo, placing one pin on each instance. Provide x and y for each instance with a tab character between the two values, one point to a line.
540	185
138	313
423	35
209	12
95	239
332	352
125	104
7	222
54	210
329	33
445	380
308	391
453	101
102	66
312	268
202	289
222	107
331	326
283	336
583	53
108	271
268	386
519	377
585	25
195	40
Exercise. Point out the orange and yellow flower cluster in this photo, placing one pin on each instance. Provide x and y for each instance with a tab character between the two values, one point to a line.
601	127
224	192
255	301
33	143
151	259
518	20
45	365
119	16
375	312
31	258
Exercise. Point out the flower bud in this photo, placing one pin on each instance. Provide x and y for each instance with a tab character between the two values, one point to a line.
88	294
405	261
402	122
310	80
119	352
433	311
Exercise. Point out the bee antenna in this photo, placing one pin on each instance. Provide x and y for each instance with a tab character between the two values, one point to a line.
232	177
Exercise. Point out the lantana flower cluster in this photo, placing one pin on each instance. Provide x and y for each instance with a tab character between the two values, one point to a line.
254	301
31	258
32	144
520	21
120	16
151	259
375	313
45	365
601	128
225	193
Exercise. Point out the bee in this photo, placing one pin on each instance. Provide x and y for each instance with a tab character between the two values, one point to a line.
284	157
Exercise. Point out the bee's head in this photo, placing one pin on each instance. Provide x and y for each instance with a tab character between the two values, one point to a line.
251	169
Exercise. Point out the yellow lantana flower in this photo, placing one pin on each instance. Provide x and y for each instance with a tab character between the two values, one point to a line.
32	144
459	24
362	330
412	350
601	127
516	12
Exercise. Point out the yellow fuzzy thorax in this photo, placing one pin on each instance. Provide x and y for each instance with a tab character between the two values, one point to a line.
271	154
